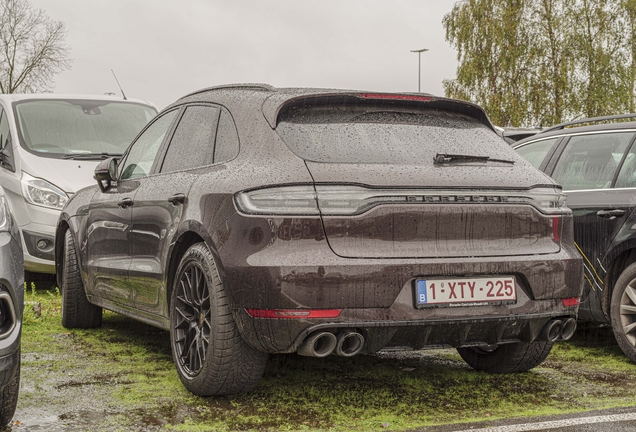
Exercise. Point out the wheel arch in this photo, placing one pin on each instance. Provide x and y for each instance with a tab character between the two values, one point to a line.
619	258
192	233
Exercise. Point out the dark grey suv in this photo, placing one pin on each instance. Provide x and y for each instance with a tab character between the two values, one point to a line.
596	165
250	220
11	307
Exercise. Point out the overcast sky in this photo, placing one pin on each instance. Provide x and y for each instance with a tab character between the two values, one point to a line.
164	49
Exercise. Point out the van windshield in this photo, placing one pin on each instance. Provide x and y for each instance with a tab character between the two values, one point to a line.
64	128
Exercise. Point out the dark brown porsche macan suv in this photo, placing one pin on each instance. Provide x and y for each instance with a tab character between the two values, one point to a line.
249	220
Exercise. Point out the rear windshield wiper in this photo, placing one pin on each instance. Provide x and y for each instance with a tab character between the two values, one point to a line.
90	156
443	158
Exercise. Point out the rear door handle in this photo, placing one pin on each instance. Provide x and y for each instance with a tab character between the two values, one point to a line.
125	202
177	199
610	214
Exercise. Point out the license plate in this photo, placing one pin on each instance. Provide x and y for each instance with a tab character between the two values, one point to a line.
464	291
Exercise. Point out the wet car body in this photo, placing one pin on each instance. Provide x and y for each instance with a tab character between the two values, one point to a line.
11	307
307	247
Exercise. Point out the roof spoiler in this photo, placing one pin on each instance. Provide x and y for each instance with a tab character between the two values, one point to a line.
279	103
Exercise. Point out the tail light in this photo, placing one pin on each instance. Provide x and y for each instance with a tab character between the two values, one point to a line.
349	200
395	96
571	301
284	200
294	313
555	222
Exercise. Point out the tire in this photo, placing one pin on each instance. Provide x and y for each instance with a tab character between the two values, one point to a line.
77	312
506	358
9	399
201	318
623	311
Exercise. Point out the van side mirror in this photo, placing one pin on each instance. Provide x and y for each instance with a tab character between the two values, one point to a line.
6	153
106	173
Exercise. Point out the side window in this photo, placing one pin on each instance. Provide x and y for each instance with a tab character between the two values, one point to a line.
143	151
536	152
627	175
590	161
227	142
192	144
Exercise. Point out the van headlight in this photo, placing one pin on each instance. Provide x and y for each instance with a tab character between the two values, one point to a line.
42	193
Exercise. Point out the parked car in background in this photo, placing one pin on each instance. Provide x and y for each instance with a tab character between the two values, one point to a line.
49	147
513	134
596	165
11	307
249	220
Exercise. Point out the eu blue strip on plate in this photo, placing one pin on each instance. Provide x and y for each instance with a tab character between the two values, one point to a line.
421	292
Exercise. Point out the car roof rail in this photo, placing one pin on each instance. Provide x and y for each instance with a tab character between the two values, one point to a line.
588	120
257	86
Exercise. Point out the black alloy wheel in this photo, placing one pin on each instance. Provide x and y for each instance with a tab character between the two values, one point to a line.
209	353
192	326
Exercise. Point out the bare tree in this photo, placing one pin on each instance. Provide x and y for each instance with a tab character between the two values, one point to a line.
32	48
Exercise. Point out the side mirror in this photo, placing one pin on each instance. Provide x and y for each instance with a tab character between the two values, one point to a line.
106	173
6	153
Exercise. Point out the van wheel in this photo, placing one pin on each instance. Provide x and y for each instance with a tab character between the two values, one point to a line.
506	358
77	312
210	355
623	311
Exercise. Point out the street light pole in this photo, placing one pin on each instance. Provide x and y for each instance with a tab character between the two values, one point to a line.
419	67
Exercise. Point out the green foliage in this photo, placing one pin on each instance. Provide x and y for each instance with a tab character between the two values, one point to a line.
530	62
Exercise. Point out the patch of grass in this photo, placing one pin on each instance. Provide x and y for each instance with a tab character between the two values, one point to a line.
121	377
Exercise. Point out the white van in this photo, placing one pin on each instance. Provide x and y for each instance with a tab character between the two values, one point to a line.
49	147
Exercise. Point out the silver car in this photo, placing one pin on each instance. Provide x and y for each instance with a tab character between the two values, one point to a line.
11	306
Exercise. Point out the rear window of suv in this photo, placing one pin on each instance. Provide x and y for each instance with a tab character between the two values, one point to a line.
380	135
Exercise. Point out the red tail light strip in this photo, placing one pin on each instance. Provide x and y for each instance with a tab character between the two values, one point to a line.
394	96
294	313
572	301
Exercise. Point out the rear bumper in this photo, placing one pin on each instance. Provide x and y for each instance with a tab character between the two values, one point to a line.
288	264
401	323
285	336
379	300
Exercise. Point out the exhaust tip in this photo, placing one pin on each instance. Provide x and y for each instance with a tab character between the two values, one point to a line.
569	327
349	343
552	331
318	345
